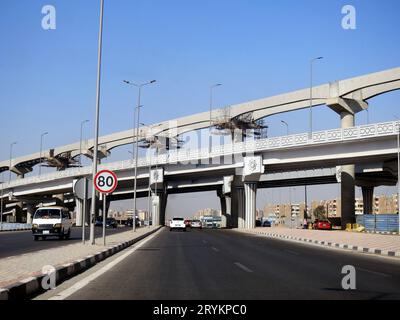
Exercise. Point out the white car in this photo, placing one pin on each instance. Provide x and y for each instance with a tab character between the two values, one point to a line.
177	223
196	224
50	222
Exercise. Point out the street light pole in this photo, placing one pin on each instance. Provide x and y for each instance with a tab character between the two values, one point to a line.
211	106
149	191
9	166
96	126
311	96
287	127
137	109
80	142
40	157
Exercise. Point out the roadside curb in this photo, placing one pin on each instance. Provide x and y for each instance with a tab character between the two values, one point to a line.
24	289
375	251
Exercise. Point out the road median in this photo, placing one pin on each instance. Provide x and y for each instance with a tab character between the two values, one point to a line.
377	244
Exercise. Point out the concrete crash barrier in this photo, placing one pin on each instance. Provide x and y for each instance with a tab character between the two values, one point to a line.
32	286
6	226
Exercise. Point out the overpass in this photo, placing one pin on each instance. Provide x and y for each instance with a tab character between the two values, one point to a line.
345	97
236	170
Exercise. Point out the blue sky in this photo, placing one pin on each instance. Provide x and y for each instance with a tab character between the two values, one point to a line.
254	48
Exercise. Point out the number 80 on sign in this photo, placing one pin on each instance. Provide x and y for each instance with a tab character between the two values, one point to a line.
105	181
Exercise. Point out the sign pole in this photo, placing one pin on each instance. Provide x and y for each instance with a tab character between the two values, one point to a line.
85	183
104	217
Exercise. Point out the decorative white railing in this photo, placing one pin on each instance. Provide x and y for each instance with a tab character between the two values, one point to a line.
189	156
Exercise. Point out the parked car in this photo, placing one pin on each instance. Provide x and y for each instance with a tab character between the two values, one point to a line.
129	223
322	225
51	222
258	223
196	224
266	223
110	223
177	223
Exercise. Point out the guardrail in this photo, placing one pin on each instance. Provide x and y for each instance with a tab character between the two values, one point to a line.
186	156
7	226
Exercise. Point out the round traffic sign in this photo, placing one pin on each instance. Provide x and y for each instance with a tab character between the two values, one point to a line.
105	181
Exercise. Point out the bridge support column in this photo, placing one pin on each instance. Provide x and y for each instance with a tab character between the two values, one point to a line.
346	108
250	190
159	205
240	207
59	198
347	180
30	211
368	199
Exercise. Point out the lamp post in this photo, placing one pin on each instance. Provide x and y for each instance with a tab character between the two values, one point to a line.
149	191
287	127
96	126
311	86
80	142
41	146
9	166
211	106
137	109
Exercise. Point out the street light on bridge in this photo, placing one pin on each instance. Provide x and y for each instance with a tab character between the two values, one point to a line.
211	106
287	127
80	142
311	86
9	166
40	154
137	110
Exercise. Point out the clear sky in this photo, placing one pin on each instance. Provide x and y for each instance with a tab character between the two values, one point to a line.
254	48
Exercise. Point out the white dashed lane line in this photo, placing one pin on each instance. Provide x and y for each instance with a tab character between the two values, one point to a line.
244	268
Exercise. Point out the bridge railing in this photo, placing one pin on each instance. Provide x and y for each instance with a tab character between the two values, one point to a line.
186	156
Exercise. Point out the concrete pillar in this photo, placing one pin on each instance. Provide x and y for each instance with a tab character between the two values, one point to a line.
224	214
159	205
250	190
368	199
18	213
347	179
30	211
59	198
240	207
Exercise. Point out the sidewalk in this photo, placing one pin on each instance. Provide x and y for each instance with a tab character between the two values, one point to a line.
74	258
387	245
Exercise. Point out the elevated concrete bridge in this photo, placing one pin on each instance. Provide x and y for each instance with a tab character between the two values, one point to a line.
346	97
235	171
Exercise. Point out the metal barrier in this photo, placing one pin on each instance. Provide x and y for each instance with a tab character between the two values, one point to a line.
379	222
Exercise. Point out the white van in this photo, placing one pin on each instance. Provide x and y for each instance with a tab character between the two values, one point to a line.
50	222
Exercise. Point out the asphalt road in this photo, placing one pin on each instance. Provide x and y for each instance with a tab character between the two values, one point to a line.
19	242
223	264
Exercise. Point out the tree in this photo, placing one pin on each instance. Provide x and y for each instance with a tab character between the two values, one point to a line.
319	213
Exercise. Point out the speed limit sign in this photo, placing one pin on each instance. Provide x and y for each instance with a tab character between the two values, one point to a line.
105	181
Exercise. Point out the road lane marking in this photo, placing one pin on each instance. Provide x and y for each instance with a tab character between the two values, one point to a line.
373	272
215	249
244	268
84	282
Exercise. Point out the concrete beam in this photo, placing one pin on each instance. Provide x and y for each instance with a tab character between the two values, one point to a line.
340	105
